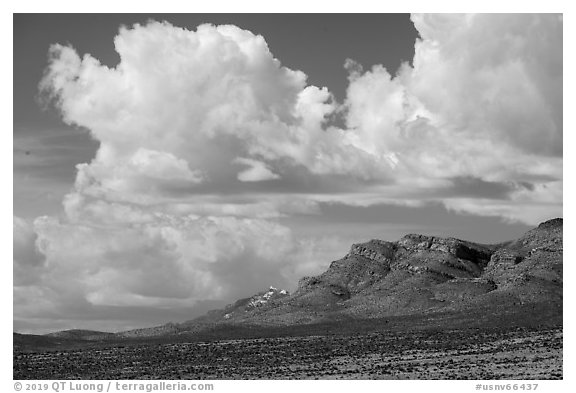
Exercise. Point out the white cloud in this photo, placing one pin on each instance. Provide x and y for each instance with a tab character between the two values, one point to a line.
483	99
498	75
24	242
257	171
145	176
28	258
199	99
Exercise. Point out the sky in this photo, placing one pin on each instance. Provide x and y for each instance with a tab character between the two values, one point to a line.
165	165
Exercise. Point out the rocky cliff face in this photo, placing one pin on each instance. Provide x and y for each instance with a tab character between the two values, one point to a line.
530	267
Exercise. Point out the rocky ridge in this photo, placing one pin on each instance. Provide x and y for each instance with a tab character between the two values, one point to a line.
423	274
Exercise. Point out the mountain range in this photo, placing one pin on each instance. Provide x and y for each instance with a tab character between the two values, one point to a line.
422	276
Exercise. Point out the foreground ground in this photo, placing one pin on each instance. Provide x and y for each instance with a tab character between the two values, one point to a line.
489	353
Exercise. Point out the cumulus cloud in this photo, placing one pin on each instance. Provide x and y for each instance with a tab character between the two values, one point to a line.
28	258
482	100
183	109
257	171
201	98
24	242
499	75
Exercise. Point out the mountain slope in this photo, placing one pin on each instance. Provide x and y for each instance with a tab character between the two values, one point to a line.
261	300
424	274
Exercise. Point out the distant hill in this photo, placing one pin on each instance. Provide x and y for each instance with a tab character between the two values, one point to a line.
78	334
418	276
33	342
